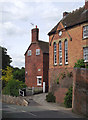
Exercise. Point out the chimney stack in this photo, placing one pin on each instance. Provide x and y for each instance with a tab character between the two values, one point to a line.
35	34
65	14
86	4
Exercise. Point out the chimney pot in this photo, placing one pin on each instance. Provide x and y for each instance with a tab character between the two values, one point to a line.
65	14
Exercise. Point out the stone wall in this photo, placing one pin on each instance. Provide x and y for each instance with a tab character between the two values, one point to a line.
14	100
80	91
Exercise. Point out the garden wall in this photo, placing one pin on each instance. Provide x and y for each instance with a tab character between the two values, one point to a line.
65	82
14	100
80	91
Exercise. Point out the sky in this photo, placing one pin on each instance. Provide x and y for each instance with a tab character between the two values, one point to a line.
16	17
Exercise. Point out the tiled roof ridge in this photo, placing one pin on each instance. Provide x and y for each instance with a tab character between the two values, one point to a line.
71	16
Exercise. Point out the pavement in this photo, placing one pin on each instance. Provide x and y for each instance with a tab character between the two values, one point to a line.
41	100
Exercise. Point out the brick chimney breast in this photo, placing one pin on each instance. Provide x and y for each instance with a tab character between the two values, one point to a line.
86	4
35	34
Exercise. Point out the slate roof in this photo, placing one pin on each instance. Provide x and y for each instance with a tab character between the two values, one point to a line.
44	46
78	16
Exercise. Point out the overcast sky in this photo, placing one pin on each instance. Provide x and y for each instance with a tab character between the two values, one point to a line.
16	16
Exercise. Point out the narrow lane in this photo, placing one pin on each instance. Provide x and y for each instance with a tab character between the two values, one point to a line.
32	111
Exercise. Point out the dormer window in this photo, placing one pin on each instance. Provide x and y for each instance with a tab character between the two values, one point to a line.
37	51
85	31
29	53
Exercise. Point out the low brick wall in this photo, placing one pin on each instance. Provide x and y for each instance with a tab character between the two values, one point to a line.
60	89
80	91
60	94
14	100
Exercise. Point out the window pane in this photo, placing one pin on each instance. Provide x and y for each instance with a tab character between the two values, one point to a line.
37	51
60	53
85	31
66	52
85	52
29	53
39	81
55	52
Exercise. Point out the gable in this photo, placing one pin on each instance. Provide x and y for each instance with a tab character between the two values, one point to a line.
77	17
44	46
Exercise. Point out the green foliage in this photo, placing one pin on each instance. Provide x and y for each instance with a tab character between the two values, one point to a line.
58	80
50	97
68	98
80	64
6	59
6	76
19	74
12	87
12	73
69	74
63	75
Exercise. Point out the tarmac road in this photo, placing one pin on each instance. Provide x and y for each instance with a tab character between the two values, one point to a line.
34	110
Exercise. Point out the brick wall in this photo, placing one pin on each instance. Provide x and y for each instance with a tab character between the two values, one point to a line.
45	69
60	89
36	65
75	52
80	91
75	46
32	64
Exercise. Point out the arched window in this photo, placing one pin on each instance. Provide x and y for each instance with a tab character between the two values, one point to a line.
66	52
55	54
60	53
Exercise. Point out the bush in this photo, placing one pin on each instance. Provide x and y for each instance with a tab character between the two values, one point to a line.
68	98
12	87
19	74
50	97
80	64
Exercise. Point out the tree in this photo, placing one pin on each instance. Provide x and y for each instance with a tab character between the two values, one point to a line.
12	87
7	75
6	59
19	74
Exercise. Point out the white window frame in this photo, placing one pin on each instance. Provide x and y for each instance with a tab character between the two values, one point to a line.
85	31
37	51
60	53
39	77
66	51
29	53
55	53
85	54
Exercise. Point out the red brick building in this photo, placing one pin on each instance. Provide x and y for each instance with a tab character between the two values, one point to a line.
37	62
68	42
